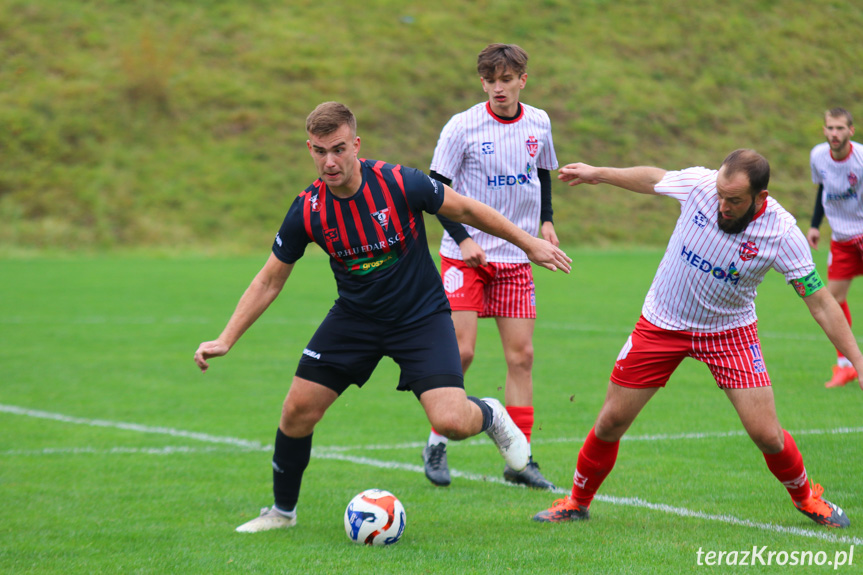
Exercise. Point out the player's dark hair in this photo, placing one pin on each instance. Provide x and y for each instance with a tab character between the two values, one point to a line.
328	117
754	165
840	113
495	58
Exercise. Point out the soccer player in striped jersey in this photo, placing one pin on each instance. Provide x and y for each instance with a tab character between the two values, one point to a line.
837	170
730	233
367	216
499	152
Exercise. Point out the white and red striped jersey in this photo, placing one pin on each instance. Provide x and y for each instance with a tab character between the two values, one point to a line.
841	197
496	161
707	279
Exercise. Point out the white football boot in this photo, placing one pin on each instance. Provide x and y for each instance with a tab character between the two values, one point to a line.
509	439
270	518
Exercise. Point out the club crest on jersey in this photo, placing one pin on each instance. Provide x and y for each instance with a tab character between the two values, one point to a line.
532	146
852	179
699	220
316	205
487	148
383	217
332	234
748	250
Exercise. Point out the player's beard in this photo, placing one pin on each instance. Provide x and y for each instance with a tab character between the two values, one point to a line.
736	225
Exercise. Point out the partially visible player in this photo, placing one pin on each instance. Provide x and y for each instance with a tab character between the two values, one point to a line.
367	216
701	304
837	169
498	152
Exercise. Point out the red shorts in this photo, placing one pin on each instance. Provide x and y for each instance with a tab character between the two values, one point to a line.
493	290
845	261
651	354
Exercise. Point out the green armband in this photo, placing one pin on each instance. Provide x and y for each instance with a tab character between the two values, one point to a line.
808	285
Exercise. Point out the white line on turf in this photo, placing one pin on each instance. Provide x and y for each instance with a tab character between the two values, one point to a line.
130	427
332	453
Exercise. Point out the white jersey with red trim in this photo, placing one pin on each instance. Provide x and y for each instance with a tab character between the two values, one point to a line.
495	161
707	279
841	197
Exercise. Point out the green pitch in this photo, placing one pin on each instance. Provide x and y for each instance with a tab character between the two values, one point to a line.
118	456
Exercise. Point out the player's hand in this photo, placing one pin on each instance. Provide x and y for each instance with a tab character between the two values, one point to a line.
543	253
578	174
472	254
813	236
548	234
207	350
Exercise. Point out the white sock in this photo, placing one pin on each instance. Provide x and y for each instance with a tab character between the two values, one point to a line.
435	438
844	362
290	514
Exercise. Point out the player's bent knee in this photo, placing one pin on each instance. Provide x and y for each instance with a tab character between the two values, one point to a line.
452	427
299	417
769	441
611	426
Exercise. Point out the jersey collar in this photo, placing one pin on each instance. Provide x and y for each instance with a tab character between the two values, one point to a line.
762	210
850	151
518	117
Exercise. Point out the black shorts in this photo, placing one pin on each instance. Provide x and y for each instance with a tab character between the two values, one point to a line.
346	349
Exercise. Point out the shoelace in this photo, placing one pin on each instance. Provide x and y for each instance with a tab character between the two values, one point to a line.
498	428
815	503
436	454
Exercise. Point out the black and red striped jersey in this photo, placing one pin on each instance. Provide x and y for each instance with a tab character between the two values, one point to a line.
376	240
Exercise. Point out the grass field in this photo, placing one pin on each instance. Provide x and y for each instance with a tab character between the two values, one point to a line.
118	456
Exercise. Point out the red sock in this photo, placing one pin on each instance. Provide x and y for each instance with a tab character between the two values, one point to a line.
523	418
595	461
787	466
847	311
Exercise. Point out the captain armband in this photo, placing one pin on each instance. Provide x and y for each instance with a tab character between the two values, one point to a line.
808	285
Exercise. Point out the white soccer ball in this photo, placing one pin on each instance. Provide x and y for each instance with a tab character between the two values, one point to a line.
375	517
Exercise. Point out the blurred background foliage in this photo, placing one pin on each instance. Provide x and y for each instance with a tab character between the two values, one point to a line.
179	126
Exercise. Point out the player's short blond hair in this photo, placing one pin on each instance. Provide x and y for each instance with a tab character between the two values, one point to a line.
328	117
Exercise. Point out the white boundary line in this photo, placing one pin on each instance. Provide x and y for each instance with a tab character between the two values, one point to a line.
130	427
334	453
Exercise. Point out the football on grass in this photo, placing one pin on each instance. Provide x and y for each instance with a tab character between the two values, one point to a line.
375	517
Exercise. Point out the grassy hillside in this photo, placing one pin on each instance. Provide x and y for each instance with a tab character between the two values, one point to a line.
179	126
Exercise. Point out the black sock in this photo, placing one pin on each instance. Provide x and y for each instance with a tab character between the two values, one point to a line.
485	409
290	458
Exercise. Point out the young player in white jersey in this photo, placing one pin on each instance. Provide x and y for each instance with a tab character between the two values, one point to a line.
499	152
730	233
837	169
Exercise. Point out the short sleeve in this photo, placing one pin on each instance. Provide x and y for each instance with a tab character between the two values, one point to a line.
423	192
450	150
794	260
679	184
292	239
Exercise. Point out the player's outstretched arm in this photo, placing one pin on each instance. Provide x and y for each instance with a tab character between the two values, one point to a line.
829	316
640	179
265	287
469	211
